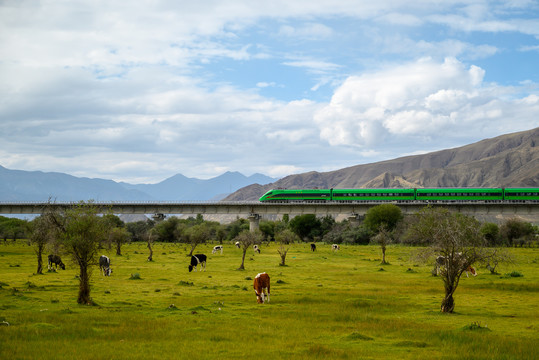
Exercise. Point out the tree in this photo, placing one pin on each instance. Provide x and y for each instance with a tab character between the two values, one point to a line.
455	237
384	215
139	229
514	229
305	226
347	233
151	235
112	222
165	230
81	234
382	220
118	236
236	227
247	239
490	232
196	234
268	229
383	238
285	238
40	236
13	228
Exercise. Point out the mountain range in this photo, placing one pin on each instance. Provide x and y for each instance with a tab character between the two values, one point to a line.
19	185
510	160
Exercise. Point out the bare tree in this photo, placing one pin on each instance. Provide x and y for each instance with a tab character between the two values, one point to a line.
151	235
247	239
40	236
45	231
383	238
285	238
456	239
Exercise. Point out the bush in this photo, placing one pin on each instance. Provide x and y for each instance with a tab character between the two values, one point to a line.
513	274
135	276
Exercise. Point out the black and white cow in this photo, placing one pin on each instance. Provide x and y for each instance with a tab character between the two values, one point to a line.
217	248
256	249
104	265
335	247
313	247
198	259
237	244
55	259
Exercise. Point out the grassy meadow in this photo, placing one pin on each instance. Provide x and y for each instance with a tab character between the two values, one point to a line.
328	305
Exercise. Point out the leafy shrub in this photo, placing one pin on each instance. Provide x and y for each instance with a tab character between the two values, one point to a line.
513	274
135	276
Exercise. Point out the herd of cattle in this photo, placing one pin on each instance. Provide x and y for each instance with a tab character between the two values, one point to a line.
261	282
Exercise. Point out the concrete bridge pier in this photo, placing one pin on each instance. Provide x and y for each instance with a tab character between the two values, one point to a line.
158	217
355	219
254	220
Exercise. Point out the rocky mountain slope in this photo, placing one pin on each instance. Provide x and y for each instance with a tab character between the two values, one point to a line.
510	160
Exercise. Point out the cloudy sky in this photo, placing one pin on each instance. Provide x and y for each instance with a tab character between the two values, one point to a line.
139	91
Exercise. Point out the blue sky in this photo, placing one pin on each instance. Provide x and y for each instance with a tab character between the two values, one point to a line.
144	90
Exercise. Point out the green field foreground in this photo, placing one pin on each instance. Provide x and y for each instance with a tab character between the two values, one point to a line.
324	304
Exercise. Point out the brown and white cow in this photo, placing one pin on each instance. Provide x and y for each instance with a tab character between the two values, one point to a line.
471	269
441	262
262	287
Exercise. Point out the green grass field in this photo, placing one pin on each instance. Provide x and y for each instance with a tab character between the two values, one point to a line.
327	305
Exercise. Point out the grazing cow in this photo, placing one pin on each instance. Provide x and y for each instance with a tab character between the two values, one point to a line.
104	265
256	249
198	259
471	269
313	247
335	247
217	248
55	259
261	285
441	262
237	244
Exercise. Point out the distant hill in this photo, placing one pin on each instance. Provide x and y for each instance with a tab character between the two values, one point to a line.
505	161
19	185
179	187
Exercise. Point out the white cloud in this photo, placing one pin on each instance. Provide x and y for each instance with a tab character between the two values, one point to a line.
310	31
422	99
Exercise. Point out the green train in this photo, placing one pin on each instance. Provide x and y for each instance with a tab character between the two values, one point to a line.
403	195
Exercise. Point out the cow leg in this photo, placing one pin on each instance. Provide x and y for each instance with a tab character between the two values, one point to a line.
267	290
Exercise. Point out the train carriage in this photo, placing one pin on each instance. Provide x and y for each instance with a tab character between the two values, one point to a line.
459	194
521	194
373	195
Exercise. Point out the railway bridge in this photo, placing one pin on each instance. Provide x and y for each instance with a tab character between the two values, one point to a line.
255	210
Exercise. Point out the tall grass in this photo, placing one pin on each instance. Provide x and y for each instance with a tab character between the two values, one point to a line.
325	304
